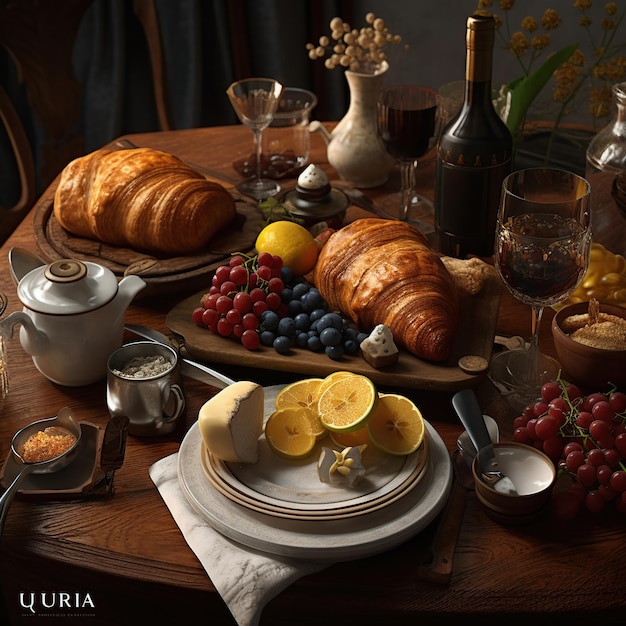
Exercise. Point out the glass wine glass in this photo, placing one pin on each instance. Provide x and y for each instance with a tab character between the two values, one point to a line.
543	241
255	101
408	124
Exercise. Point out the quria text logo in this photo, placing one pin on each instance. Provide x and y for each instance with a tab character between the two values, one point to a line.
55	600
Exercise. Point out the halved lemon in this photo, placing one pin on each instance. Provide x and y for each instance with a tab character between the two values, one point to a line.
289	433
347	403
303	394
396	425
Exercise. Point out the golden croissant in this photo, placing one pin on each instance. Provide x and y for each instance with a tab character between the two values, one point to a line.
379	271
143	199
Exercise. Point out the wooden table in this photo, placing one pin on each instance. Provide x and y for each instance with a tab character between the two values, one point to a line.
129	555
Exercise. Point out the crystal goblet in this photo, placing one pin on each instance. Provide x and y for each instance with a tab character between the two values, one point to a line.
255	101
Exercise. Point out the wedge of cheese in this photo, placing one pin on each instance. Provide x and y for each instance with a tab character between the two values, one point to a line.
231	422
379	349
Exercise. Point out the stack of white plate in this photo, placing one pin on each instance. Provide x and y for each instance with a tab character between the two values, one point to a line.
282	507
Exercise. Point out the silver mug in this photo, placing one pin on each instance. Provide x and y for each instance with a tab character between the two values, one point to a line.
152	402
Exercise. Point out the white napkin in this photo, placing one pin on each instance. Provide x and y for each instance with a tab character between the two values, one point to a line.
245	578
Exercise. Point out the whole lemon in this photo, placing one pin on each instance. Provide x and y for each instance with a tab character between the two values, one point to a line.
293	243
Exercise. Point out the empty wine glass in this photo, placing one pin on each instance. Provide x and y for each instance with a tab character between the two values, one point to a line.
543	240
408	127
255	101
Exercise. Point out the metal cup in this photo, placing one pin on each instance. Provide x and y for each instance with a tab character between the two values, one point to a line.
153	402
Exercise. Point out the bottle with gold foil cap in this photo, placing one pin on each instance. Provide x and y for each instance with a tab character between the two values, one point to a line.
473	156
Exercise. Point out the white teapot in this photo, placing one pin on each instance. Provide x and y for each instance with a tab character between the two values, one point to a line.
72	320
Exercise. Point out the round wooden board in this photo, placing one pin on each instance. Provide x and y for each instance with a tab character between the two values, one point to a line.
163	275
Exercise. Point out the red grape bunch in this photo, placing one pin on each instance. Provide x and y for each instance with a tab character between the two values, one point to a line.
258	301
585	435
240	292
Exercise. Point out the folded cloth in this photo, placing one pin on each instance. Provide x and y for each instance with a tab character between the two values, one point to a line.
246	579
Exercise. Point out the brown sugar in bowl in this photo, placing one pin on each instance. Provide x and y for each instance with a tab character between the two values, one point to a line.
589	367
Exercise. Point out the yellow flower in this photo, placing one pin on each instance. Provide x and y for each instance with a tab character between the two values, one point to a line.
550	19
610	8
529	23
519	44
583	5
540	42
506	5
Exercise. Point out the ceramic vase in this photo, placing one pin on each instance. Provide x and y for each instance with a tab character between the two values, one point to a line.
354	148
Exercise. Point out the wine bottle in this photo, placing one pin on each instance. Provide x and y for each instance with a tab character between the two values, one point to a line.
473	156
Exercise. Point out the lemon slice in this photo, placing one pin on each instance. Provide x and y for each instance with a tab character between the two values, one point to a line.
351	440
396	425
333	378
347	404
303	394
289	434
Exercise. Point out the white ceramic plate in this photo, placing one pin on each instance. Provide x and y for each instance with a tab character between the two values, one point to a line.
294	510
335	540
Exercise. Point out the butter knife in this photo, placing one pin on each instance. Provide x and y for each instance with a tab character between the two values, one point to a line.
188	366
112	455
437	566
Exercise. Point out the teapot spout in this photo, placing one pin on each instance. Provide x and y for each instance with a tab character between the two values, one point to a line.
128	288
35	342
317	127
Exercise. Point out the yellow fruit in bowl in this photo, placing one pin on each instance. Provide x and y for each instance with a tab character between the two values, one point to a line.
293	243
604	280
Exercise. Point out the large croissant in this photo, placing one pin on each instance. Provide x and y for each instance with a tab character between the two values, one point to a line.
141	198
384	272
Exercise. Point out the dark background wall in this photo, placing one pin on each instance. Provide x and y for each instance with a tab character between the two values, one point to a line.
206	45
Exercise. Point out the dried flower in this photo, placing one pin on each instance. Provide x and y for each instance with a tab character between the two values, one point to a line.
358	50
575	77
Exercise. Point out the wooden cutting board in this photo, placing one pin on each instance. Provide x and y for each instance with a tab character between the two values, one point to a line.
474	336
163	275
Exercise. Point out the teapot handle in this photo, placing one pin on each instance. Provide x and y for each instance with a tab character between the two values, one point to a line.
38	342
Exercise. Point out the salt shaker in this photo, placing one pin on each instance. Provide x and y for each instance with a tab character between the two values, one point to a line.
605	171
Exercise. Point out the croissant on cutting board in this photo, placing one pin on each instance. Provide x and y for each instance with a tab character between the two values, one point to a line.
379	271
141	198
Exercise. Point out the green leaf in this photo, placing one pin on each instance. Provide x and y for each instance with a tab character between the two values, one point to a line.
524	90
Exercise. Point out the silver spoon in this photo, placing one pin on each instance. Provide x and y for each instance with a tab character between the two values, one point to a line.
466	406
64	419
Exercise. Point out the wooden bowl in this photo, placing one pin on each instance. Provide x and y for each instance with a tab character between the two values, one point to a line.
592	368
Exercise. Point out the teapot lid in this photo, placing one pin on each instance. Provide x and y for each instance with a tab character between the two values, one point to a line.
67	287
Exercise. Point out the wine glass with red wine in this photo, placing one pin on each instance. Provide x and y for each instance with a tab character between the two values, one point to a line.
408	125
543	241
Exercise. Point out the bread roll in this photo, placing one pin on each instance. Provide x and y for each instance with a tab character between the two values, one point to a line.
143	199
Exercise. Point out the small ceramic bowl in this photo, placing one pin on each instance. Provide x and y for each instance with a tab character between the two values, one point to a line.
587	366
532	473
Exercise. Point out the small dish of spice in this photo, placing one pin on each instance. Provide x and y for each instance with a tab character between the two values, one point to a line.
590	341
47	444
